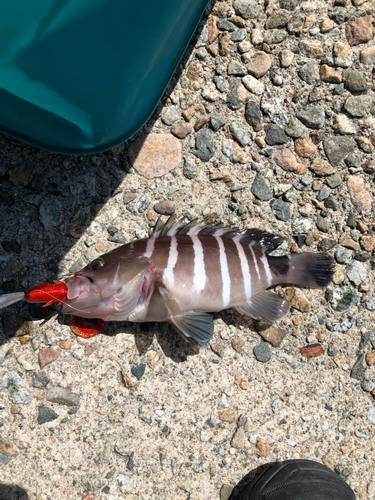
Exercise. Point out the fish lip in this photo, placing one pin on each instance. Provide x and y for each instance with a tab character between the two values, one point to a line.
77	286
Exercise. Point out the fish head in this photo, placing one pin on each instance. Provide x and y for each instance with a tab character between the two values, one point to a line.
91	292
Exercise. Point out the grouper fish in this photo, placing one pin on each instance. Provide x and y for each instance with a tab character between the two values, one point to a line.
184	271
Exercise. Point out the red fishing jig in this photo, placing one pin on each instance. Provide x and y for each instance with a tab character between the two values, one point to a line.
47	293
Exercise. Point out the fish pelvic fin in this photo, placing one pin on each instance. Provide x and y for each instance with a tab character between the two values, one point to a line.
195	327
266	305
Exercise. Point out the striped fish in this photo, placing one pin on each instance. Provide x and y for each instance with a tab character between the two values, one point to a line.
183	271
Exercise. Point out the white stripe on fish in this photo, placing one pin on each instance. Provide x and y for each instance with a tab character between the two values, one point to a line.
199	270
150	247
267	269
224	272
244	266
168	274
255	261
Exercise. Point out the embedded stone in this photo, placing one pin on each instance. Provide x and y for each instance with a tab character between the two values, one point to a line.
154	155
304	147
360	196
329	75
359	30
259	64
285	159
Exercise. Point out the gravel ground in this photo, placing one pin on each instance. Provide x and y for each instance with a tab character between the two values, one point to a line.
269	122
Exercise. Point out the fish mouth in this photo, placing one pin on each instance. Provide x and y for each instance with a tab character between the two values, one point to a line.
77	285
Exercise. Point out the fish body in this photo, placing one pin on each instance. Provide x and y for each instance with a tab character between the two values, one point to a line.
183	271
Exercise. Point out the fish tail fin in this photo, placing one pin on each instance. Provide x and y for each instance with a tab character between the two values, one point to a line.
313	270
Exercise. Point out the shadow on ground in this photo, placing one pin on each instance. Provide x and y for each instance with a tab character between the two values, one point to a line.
13	492
48	202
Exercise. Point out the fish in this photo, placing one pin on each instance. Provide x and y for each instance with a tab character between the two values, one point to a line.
180	274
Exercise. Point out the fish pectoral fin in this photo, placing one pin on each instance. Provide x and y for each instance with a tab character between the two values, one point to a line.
127	296
267	305
171	304
195	327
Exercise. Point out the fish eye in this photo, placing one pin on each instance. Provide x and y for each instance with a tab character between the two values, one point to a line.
96	264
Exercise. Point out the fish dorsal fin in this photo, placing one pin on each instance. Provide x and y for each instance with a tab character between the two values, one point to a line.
267	305
196	327
262	240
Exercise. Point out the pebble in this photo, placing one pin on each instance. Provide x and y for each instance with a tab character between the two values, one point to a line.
165	207
339	14
370	358
260	189
236	69
259	64
312	351
225	492
359	369
343	256
368	385
170	115
277	76
154	155
359	31
329	75
345	326
295	128
50	213
39	380
46	414
272	334
247	9
354	81
62	396
285	159
368	56
220	83
238	35
253	85
228	416
138	371
312	116
357	273
239	134
280	209
238	439
277	20
343	125
324	193
286	58
371	415
309	73
262	352
47	356
359	195
358	105
337	149
304	147
13	386
91	482
303	226
204	145
334	180
275	135
297	299
342	55
253	114
190	168
217	121
370	305
344	297
273	106
262	448
181	129
20	175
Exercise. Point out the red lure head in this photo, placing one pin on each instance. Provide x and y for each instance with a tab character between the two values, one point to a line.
47	293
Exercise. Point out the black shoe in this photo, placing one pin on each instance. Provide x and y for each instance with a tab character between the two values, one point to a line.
293	480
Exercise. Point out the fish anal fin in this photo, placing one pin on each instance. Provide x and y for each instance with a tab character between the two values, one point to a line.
195	327
267	305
